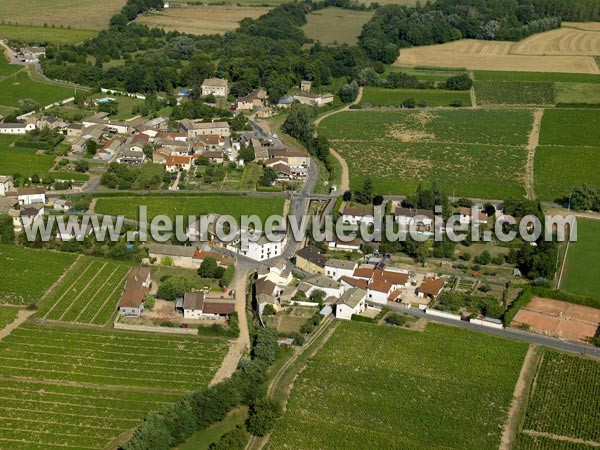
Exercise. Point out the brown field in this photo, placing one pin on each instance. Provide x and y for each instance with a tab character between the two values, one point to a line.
567	49
201	19
559	319
81	14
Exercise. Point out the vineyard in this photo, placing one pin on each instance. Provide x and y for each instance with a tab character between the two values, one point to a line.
428	97
514	93
566	398
88	293
527	442
381	387
571	127
7	315
28	273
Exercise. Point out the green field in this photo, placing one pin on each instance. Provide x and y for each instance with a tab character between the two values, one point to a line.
11	91
431	97
24	161
82	388
484	75
565	398
234	205
527	442
35	35
473	153
335	25
126	105
7	315
581	270
88	293
552	181
6	68
424	74
28	273
149	171
571	127
495	92
577	93
381	387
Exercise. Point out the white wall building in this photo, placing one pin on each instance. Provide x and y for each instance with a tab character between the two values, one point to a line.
351	302
337	268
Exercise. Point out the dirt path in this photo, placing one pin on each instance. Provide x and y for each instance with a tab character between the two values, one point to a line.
558	437
92	206
242	343
512	422
22	316
473	97
534	139
345	176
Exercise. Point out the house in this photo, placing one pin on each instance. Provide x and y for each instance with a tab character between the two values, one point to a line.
305	85
286	101
320	282
431	288
351	302
109	150
30	54
357	216
16	128
178	163
132	156
354	282
306	98
62	205
254	99
349	246
136	288
196	129
215	157
197	305
278	273
158	123
265	112
31	196
466	216
337	268
51	122
176	255
100	118
261	248
215	86
6	184
295	158
74	129
420	219
160	156
222	260
380	284
31	215
309	259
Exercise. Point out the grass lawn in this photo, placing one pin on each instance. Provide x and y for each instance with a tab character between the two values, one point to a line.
577	93
234	205
581	270
571	127
194	280
201	440
383	387
25	87
559	169
6	68
536	76
37	34
431	97
8	314
252	172
335	25
126	105
28	273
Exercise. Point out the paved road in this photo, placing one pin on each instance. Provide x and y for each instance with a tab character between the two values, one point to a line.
511	333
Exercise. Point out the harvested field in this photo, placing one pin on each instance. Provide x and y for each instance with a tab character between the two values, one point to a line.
82	14
201	19
336	25
559	319
564	41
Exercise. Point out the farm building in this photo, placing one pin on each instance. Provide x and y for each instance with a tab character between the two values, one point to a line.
31	196
136	288
321	283
310	259
6	184
16	128
215	86
420	219
337	268
198	306
431	288
196	129
351	302
177	255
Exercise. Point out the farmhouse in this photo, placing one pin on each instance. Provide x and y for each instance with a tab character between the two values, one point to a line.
351	302
277	273
295	158
16	128
136	288
31	196
177	255
132	156
431	288
196	129
349	246
29	54
222	260
310	259
467	216
306	98
197	305
109	150
357	216
305	85
338	268
6	184
321	283
420	219
178	163
215	86
74	129
381	285
254	99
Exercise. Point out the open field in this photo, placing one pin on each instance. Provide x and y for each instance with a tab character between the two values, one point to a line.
11	91
7	69
477	153
82	388
559	319
559	169
24	161
581	270
495	55
431	97
423	73
515	92
485	75
7	315
577	93
335	25
235	205
565	398
37	34
201	19
28	273
563	41
571	127
88	293
450	396
82	14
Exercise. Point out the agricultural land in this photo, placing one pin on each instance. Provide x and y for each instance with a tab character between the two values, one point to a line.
580	276
350	395
37	34
423	97
336	25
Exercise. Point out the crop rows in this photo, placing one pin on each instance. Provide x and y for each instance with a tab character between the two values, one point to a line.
527	442
571	127
87	294
514	93
566	400
382	387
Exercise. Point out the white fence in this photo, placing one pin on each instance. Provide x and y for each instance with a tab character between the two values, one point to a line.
444	314
485	323
126	94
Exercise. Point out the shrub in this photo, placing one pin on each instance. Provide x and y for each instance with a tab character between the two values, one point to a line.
396	320
262	417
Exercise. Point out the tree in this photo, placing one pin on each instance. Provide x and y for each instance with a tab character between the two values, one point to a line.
299	123
318	296
269	310
182	47
82	166
7	231
347	196
489	209
35	179
265	347
396	320
172	288
459	83
349	92
247	154
27	105
378	200
268	177
235	439
91	147
484	258
262	416
365	194
409	103
208	268
149	302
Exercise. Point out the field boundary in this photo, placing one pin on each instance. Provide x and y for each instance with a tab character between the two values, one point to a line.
534	140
